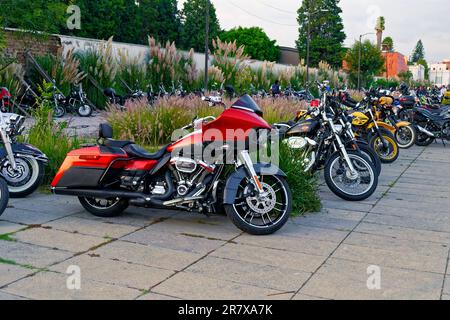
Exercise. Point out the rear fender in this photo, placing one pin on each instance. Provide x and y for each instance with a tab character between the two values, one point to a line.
235	179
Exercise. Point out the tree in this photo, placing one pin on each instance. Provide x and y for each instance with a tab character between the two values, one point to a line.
159	19
379	28
372	62
418	53
327	32
257	44
194	24
101	19
406	76
388	44
48	16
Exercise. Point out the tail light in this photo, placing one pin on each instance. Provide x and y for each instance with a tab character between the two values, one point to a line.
315	103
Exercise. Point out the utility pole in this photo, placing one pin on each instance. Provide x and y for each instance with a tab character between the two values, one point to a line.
206	44
308	40
360	57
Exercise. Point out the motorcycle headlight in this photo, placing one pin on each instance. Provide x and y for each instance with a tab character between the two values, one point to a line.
338	128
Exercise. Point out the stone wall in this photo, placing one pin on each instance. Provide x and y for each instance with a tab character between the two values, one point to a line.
17	44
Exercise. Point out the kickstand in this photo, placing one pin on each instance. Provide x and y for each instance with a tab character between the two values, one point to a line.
443	142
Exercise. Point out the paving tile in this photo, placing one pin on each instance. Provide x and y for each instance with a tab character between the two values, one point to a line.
258	275
293	229
148	255
28	254
155	296
94	228
53	286
182	242
9	297
191	286
291	244
8	227
196	225
403	233
59	239
10	273
270	257
27	217
389	258
304	297
341	280
115	272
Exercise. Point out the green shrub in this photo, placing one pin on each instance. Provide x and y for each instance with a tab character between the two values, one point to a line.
303	185
50	138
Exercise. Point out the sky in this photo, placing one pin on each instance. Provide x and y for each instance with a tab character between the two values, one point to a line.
407	21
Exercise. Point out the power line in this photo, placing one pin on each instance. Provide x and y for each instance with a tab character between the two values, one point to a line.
261	18
277	9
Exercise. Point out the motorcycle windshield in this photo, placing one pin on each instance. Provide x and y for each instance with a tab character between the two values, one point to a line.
246	102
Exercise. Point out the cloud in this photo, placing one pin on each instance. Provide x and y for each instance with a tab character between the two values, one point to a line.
407	21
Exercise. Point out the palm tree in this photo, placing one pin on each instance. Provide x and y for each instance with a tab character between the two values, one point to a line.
379	28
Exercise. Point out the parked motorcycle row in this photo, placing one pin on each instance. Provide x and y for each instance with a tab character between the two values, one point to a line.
348	140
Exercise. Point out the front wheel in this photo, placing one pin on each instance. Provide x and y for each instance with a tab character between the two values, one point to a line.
59	111
27	177
104	208
370	154
424	140
84	110
387	149
4	195
261	214
406	137
344	184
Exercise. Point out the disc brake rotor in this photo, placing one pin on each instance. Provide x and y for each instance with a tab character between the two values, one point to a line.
265	203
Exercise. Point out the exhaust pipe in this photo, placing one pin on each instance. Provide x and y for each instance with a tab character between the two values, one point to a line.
428	133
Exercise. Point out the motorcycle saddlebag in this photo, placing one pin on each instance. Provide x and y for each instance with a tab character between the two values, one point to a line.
86	167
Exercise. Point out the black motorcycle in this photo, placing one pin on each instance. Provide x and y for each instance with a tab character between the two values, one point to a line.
322	139
435	125
21	165
74	103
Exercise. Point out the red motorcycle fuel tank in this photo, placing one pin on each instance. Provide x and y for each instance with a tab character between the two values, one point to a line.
84	168
235	123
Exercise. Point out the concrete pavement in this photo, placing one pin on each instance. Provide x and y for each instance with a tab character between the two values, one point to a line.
393	246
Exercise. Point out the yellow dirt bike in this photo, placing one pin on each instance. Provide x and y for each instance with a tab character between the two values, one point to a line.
384	111
365	126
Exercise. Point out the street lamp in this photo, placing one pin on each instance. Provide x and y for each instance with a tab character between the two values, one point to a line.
308	40
206	44
359	58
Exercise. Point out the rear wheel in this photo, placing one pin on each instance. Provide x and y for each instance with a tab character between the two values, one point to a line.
424	140
104	208
406	137
261	214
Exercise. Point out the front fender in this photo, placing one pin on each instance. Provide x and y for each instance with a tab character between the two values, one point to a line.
235	179
26	150
402	124
383	125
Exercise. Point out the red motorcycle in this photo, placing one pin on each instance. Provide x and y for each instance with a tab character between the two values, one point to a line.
209	170
5	100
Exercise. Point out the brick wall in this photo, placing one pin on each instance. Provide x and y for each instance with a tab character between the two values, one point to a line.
18	44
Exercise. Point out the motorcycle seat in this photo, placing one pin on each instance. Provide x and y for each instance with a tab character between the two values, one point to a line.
136	151
110	143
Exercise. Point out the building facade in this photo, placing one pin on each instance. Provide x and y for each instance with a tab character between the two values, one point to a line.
418	72
440	73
